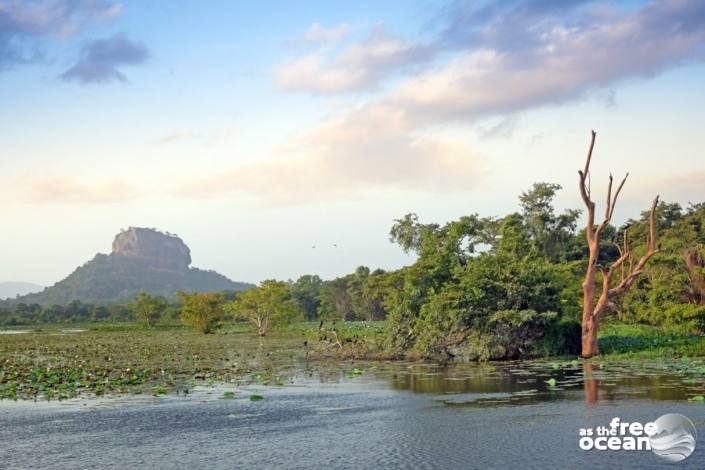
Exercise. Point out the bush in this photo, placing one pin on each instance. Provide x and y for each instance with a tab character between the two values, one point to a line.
690	316
202	311
562	337
148	309
515	334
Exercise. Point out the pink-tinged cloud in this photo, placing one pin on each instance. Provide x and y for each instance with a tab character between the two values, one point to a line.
510	56
561	63
356	67
338	161
68	190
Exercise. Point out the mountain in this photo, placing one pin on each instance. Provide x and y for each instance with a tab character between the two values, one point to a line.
13	289
142	260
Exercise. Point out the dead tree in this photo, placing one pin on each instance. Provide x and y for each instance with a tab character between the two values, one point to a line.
593	305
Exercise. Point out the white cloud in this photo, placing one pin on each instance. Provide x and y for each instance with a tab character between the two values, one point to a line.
318	34
356	67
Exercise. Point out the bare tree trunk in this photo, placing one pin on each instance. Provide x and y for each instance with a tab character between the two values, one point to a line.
593	309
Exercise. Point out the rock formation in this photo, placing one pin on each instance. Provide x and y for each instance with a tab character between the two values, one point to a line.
142	260
159	250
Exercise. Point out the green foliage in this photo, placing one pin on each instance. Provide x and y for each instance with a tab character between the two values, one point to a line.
561	337
268	305
689	316
148	309
666	342
74	312
306	291
472	299
670	292
359	296
335	303
550	235
202	311
469	269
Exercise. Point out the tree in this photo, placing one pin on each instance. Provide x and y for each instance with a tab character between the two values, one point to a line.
593	309
148	309
269	304
335	302
550	234
202	311
306	290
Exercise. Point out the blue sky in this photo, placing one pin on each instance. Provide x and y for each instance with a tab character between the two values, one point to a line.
256	130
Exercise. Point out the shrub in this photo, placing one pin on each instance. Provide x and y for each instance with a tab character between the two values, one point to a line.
690	316
202	311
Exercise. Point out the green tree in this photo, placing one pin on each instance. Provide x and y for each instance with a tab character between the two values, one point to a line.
306	291
550	234
672	289
148	309
265	306
335	302
202	311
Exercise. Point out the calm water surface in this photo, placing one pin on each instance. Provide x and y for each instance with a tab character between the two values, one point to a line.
364	415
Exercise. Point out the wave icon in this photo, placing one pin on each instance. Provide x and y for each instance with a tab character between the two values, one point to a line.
675	437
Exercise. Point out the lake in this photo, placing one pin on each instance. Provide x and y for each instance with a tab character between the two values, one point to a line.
365	415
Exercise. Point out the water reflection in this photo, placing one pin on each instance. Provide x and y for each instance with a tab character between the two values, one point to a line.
590	383
517	383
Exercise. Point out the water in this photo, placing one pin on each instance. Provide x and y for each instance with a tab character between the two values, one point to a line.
401	415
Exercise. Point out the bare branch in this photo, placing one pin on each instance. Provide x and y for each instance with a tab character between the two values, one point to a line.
616	195
584	176
589	155
609	199
651	250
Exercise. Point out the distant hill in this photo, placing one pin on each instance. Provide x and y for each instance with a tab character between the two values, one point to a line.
13	289
142	260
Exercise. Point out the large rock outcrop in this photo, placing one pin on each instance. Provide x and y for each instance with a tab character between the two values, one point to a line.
142	260
159	250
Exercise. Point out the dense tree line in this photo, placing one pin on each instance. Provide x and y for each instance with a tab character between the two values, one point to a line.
76	311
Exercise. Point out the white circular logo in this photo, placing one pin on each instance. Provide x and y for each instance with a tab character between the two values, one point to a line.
674	439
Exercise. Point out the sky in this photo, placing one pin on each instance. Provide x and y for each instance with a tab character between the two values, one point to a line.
283	138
